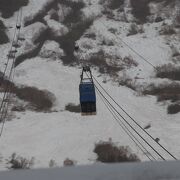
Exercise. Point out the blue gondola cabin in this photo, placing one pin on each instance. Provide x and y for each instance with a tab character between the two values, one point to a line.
87	94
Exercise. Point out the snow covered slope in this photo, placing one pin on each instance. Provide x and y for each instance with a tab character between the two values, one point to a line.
59	133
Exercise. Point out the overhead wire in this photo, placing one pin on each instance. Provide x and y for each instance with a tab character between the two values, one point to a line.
7	94
147	61
137	53
115	110
133	119
127	131
132	127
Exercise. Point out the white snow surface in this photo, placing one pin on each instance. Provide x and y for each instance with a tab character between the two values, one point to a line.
61	134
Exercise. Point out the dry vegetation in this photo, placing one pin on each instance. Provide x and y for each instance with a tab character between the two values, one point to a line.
19	162
67	42
8	7
135	29
3	37
109	64
167	30
168	71
108	152
73	108
166	92
38	100
141	9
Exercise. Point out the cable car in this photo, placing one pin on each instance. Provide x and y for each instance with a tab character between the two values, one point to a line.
87	93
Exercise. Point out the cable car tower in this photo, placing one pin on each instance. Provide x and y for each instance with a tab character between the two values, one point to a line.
87	92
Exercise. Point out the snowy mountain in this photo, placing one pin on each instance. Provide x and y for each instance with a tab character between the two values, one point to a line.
133	50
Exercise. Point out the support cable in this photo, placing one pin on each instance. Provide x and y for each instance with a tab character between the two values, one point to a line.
7	94
130	125
133	119
127	131
138	54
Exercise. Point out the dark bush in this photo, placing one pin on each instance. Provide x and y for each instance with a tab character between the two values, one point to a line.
90	35
165	91
167	30
8	7
75	14
18	108
115	4
140	9
168	71
73	108
18	162
107	152
173	108
158	19
3	36
99	60
39	100
67	42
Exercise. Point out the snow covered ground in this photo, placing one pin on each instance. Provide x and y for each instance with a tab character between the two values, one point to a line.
62	134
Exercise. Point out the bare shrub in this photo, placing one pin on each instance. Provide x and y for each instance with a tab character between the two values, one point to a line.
39	100
52	163
73	108
128	83
111	4
18	108
75	14
69	162
54	15
129	62
134	29
67	42
7	8
167	30
99	59
112	30
107	152
19	162
173	108
158	19
4	38
168	71
115	4
102	2
90	35
177	20
164	92
140	9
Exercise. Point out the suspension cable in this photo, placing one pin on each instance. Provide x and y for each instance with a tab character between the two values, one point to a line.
133	119
128	132
138	54
131	126
7	94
